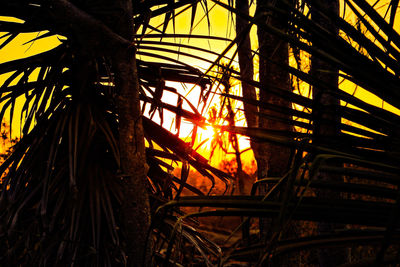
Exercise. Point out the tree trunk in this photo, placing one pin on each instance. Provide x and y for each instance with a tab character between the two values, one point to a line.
111	36
246	64
248	91
135	206
325	121
272	160
246	68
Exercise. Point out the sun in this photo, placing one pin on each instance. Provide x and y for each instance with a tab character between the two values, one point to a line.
206	133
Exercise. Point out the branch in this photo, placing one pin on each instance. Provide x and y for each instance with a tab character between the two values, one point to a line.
91	32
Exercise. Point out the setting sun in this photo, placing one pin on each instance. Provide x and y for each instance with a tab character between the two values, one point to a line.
206	133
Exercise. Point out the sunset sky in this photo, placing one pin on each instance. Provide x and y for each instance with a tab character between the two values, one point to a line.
221	25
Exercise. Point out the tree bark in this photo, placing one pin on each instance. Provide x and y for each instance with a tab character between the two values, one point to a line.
246	68
272	160
246	64
326	124
135	206
248	91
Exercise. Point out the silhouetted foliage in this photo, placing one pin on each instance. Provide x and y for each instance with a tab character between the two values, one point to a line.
61	199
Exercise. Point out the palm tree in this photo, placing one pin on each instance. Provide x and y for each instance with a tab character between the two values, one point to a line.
76	191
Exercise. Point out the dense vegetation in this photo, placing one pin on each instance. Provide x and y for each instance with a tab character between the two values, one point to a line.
81	188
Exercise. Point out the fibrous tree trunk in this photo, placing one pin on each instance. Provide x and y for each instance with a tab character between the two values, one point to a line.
135	206
326	123
272	160
246	64
247	74
246	69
